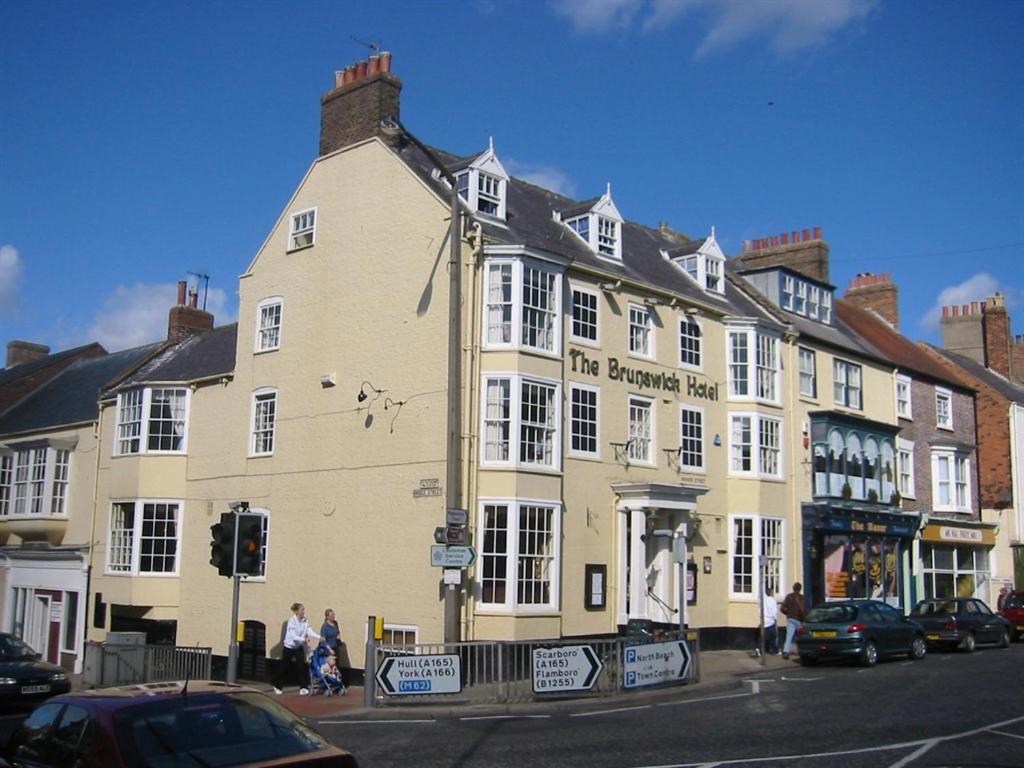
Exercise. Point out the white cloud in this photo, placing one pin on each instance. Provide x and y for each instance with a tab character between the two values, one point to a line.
789	25
136	315
10	276
544	176
598	15
975	288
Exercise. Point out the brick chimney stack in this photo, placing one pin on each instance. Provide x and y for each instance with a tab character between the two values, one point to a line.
25	352
877	293
996	328
186	318
364	94
802	251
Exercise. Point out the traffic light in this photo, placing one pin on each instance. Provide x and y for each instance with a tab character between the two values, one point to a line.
249	554
222	547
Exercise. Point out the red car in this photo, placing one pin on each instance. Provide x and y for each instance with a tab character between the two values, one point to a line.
1013	610
169	724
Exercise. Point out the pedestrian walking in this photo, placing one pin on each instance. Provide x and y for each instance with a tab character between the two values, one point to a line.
770	622
293	656
794	610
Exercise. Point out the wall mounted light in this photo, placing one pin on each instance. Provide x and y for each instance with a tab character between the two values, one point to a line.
361	397
327	380
717	440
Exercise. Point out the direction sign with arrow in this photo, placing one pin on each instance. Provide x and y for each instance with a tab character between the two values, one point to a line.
452	557
565	668
417	675
655	663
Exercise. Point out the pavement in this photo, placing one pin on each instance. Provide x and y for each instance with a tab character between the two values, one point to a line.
719	671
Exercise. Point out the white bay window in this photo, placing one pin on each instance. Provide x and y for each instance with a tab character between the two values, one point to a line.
522	307
152	420
519	555
143	538
34	480
520	419
754	366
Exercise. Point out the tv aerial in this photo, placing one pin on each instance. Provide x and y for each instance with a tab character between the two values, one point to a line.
373	45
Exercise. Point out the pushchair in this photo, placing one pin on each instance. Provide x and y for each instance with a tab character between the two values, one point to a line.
319	682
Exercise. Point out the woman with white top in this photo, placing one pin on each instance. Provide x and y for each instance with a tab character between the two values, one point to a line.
293	658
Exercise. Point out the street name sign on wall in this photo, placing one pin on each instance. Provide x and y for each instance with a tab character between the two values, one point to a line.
452	557
655	663
566	668
417	675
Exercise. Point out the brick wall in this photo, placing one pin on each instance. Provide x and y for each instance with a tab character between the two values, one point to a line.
877	293
805	253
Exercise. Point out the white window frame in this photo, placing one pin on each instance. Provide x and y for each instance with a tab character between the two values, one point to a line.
512	556
481	189
514	421
404	628
517	311
701	465
641	434
905	460
758	432
264	394
640	339
265	307
826	307
691	345
957	463
846	367
944	421
904	397
774	550
302	223
608	242
130	566
140	399
575	387
787	291
590	294
811	376
754	382
34	482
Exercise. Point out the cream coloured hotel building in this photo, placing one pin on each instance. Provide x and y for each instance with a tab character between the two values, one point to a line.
634	444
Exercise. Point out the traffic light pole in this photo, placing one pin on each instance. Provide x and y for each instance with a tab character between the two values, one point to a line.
232	675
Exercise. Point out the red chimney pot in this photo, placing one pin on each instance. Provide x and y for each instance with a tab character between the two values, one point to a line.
385	61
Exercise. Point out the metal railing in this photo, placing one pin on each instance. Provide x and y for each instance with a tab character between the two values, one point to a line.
107	665
501	672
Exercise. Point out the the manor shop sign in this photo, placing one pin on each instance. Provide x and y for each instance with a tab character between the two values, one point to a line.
668	382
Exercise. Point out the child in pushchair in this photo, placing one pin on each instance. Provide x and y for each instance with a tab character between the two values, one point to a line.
324	676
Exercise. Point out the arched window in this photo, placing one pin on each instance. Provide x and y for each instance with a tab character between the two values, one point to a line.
855	465
836	463
820	470
888	471
871	468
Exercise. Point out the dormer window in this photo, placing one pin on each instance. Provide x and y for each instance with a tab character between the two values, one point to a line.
483	183
607	236
793	292
598	223
702	262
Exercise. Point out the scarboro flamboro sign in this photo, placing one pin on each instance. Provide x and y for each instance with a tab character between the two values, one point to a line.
655	663
568	668
417	675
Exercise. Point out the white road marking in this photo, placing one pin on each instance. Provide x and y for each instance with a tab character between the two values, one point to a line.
506	717
371	722
907	760
1004	733
706	698
923	745
801	679
609	711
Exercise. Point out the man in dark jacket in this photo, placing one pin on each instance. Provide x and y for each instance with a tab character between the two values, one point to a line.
794	611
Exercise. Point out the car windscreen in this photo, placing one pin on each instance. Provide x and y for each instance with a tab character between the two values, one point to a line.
211	731
832	614
13	648
935	608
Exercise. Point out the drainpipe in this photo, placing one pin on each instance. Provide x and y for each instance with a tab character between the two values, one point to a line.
392	126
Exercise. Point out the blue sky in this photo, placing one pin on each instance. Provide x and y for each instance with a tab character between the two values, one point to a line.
142	140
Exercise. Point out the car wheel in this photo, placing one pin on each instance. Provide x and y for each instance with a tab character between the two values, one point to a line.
1004	639
918	649
869	656
808	661
968	644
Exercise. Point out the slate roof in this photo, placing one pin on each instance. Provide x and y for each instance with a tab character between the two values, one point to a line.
200	356
71	397
23	369
892	344
1002	385
529	223
838	335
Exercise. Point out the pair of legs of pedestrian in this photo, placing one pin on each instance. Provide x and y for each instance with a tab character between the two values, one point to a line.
771	640
293	669
792	625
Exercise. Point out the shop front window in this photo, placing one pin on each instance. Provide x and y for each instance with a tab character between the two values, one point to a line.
856	568
955	571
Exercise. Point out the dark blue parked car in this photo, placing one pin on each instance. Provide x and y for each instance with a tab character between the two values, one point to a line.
859	630
961	622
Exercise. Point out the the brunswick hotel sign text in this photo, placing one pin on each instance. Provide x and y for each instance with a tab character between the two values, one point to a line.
667	382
